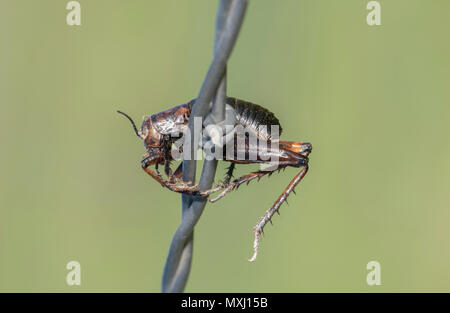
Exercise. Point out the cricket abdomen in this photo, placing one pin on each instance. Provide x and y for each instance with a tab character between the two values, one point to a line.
255	117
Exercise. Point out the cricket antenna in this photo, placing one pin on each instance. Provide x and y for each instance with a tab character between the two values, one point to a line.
132	122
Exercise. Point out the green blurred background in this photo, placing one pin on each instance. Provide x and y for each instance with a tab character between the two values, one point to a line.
374	101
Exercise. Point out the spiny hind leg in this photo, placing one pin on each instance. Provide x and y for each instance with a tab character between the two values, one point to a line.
267	217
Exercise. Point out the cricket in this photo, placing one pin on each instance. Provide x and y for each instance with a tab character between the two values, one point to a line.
159	132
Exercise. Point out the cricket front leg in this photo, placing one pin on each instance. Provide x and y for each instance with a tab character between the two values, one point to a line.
258	229
175	183
176	177
183	188
167	157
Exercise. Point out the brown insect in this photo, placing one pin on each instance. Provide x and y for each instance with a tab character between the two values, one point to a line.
161	130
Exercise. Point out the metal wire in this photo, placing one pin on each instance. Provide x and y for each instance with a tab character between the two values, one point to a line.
230	15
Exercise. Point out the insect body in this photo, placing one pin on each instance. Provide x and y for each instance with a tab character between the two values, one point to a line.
161	130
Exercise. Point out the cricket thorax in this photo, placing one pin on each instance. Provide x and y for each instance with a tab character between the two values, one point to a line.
173	121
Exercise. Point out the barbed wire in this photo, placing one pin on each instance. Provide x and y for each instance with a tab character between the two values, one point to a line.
230	14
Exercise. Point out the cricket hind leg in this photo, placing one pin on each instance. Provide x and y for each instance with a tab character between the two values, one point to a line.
267	217
295	154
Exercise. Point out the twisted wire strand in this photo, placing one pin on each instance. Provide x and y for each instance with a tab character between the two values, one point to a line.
230	15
